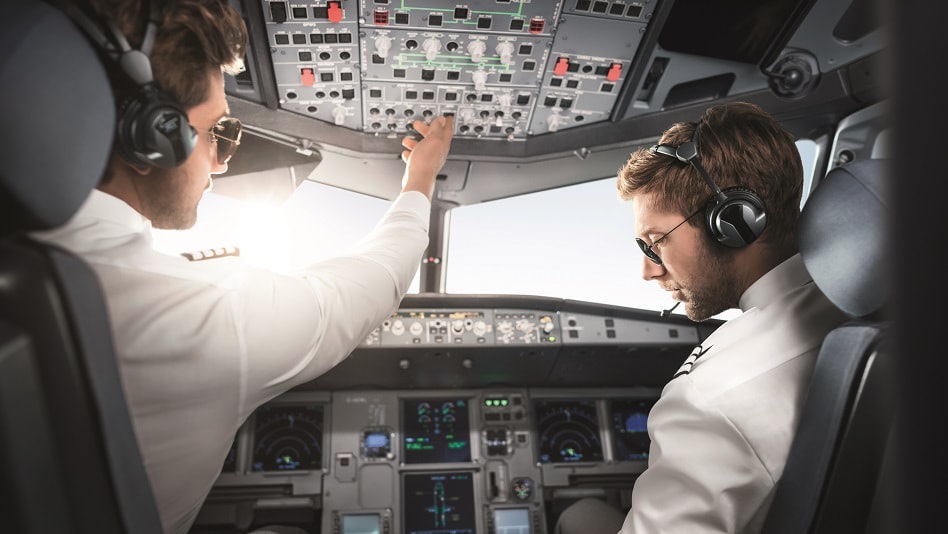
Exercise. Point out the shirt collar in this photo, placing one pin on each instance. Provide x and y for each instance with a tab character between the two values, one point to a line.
105	207
105	215
784	277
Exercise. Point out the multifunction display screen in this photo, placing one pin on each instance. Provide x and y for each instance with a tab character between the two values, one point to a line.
568	431
439	503
288	438
436	431
630	439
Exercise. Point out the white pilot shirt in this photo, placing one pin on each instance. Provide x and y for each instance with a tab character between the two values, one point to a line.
202	344
721	431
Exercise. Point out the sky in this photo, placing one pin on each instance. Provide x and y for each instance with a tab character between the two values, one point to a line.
573	242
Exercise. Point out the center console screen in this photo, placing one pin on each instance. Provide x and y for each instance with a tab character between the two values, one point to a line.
436	431
439	503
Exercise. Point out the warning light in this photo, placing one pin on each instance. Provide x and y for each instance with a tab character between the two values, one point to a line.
381	16
537	24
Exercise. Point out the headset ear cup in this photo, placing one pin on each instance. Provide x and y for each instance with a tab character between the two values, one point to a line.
153	131
739	219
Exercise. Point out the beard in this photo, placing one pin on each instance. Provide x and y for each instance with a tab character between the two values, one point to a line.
715	288
169	200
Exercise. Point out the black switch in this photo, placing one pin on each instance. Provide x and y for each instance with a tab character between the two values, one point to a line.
278	12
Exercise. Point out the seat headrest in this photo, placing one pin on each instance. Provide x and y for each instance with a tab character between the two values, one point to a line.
58	117
843	237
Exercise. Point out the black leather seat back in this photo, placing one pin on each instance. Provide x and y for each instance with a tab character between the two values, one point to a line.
833	468
68	455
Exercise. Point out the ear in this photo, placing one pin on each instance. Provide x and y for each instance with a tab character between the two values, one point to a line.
144	171
119	166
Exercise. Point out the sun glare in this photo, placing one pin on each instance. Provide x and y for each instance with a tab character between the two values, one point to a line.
262	233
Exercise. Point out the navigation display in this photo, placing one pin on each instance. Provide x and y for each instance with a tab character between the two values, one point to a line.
436	431
439	503
568	431
630	439
288	438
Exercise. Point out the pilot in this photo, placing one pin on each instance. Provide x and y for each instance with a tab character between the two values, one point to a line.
715	206
201	344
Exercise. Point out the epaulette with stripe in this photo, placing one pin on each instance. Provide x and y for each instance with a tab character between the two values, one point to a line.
690	361
211	253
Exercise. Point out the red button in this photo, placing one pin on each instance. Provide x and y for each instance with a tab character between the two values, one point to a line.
614	71
561	65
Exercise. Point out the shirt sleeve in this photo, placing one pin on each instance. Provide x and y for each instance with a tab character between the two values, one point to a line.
702	477
295	328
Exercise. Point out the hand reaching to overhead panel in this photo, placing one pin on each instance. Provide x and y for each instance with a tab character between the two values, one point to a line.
424	158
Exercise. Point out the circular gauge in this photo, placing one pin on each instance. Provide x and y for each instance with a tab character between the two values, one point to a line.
424	408
522	488
288	438
568	431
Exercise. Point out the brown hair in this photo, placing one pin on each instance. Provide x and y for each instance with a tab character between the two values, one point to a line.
193	37
739	144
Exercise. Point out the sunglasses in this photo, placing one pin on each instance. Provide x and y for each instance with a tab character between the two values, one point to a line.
226	133
647	249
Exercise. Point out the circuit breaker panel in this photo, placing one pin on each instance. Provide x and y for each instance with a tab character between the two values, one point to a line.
506	69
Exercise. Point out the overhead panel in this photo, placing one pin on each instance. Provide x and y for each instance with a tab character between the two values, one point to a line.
506	69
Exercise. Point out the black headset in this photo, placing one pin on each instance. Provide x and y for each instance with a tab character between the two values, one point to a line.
735	216
152	129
